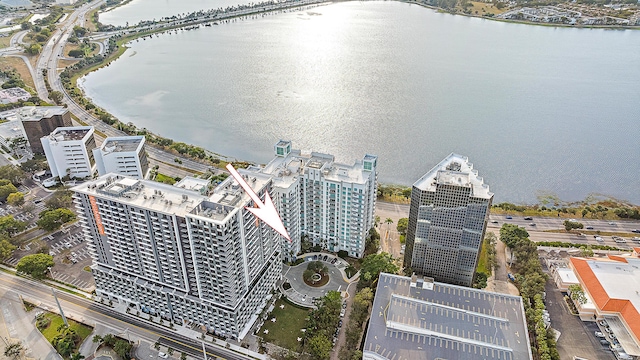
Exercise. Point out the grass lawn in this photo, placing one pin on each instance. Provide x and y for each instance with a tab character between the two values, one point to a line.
482	262
56	320
285	331
165	179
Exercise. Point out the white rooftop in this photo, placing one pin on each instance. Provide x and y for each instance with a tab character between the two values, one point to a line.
227	197
620	280
287	169
567	275
122	144
454	170
36	113
71	133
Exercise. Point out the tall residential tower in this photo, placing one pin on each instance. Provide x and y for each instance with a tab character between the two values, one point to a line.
330	203
447	220
177	254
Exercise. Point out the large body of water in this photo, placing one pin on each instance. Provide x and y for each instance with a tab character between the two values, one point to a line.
536	109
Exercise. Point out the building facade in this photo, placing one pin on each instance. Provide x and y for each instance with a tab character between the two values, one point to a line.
447	221
328	203
69	151
40	121
124	155
174	253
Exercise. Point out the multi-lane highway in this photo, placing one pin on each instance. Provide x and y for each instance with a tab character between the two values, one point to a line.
93	313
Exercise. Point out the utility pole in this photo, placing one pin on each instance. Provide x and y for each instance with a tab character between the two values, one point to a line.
204	351
64	318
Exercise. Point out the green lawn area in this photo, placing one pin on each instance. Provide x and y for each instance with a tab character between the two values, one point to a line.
285	331
56	320
482	262
165	179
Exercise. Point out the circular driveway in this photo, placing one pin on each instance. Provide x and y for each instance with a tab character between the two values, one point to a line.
304	294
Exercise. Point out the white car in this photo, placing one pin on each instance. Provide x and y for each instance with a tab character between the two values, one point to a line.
163	355
598	238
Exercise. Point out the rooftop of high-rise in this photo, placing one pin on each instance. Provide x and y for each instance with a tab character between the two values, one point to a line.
122	144
227	197
70	133
454	170
37	113
287	167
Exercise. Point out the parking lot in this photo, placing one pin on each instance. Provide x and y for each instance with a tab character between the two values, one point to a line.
577	337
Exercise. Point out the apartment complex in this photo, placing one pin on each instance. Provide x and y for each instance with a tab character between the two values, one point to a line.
417	318
124	155
329	203
69	151
447	221
174	253
40	121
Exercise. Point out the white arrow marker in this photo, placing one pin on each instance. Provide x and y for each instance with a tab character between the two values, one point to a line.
265	211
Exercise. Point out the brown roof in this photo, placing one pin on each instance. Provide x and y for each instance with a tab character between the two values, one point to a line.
600	297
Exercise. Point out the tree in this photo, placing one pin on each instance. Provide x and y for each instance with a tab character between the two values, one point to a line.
35	265
60	199
6	188
373	265
156	345
76	356
183	356
320	347
122	348
343	254
79	31
403	224
170	351
586	251
577	294
97	338
13	349
15	199
376	221
33	165
6	249
570	225
318	267
388	221
76	53
109	340
56	96
34	49
52	219
10	226
13	174
510	234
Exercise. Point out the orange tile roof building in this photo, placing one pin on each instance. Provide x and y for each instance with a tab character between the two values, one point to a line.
612	287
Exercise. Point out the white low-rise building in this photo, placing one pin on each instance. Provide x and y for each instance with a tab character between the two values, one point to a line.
69	151
124	155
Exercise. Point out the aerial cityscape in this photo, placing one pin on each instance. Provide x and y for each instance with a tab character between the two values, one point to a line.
301	179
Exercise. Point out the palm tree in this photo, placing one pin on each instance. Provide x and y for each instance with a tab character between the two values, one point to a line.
388	221
76	356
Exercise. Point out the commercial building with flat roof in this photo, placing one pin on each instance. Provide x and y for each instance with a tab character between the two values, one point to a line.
417	318
447	221
40	121
330	203
197	260
612	288
124	155
69	151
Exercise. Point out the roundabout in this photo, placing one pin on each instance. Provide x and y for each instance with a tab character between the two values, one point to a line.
313	278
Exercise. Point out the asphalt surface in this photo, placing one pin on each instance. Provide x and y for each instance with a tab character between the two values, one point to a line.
92	313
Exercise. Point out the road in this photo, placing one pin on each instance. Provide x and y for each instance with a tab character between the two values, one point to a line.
551	223
92	313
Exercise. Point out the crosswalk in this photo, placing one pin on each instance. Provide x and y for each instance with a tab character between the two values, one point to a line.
69	280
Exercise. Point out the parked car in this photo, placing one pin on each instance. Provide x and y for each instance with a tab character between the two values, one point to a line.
324	258
334	260
163	355
599	334
604	342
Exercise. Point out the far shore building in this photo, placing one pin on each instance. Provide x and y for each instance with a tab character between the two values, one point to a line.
69	152
419	319
612	290
40	121
330	204
124	155
447	221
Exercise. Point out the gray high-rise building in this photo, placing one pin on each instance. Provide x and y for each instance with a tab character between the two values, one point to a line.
447	220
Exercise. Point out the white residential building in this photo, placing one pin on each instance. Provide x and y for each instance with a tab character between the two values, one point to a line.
330	203
69	151
174	253
123	155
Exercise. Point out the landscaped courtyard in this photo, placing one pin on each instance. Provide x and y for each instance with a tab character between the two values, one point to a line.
285	331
